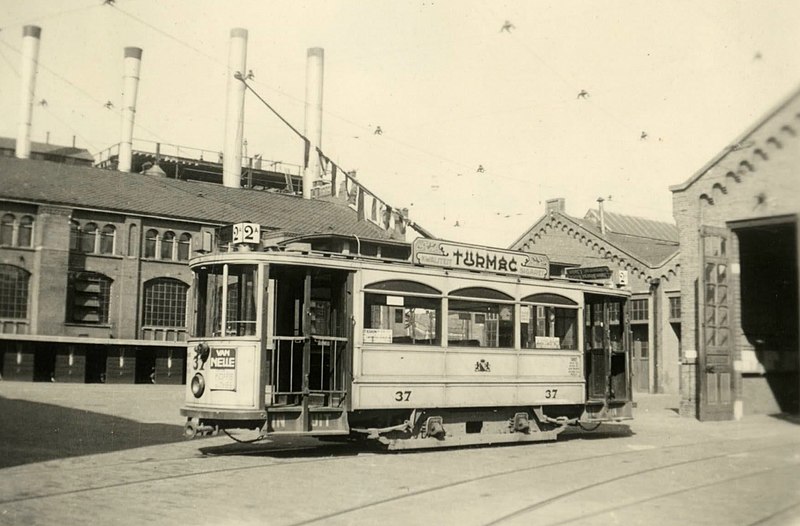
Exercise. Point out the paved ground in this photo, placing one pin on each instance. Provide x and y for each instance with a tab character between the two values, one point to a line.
660	469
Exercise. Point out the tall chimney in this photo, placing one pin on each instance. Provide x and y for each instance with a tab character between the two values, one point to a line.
30	59
315	68
130	88
234	113
602	216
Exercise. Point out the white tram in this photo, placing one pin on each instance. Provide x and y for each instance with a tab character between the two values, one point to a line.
447	345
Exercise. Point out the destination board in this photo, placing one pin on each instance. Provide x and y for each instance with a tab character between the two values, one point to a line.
446	254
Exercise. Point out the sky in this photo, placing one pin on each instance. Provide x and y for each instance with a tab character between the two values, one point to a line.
667	86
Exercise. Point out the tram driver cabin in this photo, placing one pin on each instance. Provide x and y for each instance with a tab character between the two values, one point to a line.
423	345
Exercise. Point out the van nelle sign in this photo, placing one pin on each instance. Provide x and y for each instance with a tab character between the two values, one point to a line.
446	254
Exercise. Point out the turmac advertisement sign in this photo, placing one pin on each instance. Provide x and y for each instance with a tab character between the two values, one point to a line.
446	254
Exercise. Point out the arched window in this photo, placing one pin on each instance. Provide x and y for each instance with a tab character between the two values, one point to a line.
165	303
167	245
74	235
150	242
89	238
88	297
25	234
184	247
13	292
7	230
107	236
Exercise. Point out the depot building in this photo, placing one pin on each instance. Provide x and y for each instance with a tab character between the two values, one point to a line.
737	220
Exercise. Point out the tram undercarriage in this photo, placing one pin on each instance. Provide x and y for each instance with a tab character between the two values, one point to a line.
423	428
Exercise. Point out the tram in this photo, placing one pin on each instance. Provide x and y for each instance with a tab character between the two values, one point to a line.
420	345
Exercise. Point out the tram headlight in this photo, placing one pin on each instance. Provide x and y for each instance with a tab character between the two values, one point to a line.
198	385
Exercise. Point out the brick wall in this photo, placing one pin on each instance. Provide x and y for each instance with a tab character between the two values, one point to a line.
756	179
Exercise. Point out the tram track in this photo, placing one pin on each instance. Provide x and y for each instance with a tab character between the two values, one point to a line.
550	500
687	490
398	498
571	493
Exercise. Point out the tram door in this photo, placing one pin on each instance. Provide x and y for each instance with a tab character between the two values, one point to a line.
606	342
310	359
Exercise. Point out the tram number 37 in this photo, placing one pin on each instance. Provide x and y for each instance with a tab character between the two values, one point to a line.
402	396
550	393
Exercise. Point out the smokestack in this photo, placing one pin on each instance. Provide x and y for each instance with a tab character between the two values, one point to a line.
130	88
30	59
234	116
315	68
602	216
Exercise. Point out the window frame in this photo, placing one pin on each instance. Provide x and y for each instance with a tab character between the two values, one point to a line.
404	288
17	297
103	297
150	310
558	303
636	313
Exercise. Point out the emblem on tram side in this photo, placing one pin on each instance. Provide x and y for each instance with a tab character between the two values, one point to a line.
201	352
482	366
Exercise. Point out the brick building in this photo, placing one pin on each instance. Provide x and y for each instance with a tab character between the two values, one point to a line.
93	262
647	251
737	218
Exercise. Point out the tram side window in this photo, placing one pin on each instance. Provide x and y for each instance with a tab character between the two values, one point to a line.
548	327
241	312
475	323
405	319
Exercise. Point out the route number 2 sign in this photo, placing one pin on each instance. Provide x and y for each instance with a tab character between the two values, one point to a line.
246	233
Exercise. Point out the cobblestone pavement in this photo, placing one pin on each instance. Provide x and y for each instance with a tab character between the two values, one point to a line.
659	469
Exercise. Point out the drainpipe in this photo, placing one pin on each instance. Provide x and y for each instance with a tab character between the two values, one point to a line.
130	89
30	59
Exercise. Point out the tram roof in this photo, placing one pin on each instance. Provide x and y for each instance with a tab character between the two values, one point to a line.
43	182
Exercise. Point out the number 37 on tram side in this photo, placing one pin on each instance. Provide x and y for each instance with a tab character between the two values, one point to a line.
428	345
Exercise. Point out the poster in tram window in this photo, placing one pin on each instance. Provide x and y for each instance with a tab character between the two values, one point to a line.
222	364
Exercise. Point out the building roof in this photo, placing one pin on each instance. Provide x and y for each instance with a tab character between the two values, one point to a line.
632	225
651	242
46	182
740	143
50	149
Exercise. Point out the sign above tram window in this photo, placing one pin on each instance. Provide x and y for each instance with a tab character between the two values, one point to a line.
446	254
246	233
588	273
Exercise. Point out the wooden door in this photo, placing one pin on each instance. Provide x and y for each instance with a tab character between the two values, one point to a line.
715	360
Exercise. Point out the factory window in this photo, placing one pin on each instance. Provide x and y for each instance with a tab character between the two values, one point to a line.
184	247
13	292
107	236
165	302
88	297
639	310
7	230
675	309
168	245
400	315
25	233
150	241
476	322
74	235
89	238
16	233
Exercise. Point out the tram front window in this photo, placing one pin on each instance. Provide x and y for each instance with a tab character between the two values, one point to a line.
226	297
